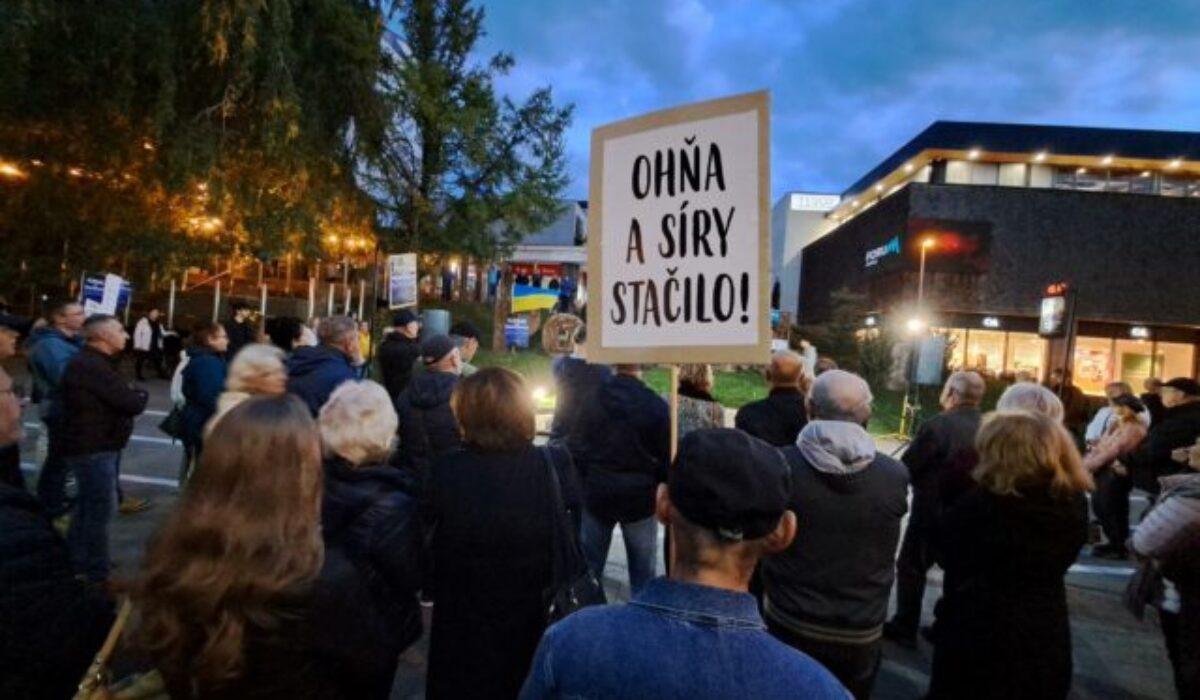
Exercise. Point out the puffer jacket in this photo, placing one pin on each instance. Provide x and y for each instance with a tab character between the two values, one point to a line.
428	428
314	372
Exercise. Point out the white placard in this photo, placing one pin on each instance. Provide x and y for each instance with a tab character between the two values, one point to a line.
681	237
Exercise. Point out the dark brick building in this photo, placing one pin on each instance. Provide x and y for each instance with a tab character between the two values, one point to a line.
1006	210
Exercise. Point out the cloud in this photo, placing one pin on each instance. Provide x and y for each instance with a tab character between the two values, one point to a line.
852	80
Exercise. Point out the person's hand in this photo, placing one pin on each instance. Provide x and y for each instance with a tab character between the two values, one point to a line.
1181	454
1120	469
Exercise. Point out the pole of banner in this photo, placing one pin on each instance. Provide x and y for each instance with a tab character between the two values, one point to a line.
329	306
216	300
128	303
673	400
171	306
262	305
362	297
349	298
312	298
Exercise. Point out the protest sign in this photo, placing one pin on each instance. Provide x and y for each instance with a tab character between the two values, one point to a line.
104	294
678	247
402	280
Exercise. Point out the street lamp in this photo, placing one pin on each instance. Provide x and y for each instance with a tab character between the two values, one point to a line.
925	246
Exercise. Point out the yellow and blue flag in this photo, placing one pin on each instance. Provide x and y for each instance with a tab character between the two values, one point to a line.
529	298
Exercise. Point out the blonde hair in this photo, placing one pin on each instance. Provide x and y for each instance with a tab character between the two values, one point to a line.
697	375
358	423
1019	450
251	365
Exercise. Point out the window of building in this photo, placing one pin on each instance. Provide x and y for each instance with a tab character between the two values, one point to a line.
985	173
955	346
1064	178
1026	353
985	352
1174	186
958	172
1175	360
1134	363
1093	364
1041	176
1119	181
1012	174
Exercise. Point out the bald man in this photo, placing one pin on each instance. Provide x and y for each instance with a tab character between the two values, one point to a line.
779	418
939	459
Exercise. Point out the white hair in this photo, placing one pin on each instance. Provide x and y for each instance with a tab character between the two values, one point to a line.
251	364
841	396
358	423
1026	396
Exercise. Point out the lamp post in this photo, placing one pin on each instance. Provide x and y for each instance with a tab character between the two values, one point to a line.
925	246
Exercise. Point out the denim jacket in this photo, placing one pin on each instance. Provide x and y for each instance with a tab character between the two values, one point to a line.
674	640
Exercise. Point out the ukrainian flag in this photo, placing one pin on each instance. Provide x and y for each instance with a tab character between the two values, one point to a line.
529	298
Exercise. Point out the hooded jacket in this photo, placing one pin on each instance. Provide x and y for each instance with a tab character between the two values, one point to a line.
849	499
777	419
397	355
314	372
427	425
203	380
624	449
50	351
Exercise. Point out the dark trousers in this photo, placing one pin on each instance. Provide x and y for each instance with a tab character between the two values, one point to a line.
1111	503
95	505
912	569
1183	648
154	357
10	466
52	480
855	665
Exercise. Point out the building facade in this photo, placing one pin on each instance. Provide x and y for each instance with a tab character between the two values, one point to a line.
999	213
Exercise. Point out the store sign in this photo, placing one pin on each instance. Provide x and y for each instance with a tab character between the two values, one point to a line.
991	322
679	245
801	201
874	255
402	280
1139	332
1052	321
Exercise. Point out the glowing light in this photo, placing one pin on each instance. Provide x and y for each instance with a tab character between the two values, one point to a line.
991	322
1081	171
1145	173
870	321
36	163
879	187
915	325
331	239
11	171
202	186
75	172
854	203
1106	160
1139	332
973	154
908	167
147	145
1175	163
1040	157
928	243
539	394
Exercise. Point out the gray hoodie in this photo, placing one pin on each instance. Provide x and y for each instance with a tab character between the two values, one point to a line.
836	447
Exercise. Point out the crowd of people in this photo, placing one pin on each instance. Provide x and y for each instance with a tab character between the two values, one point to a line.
321	511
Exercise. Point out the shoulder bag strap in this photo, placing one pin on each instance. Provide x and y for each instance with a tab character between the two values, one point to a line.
97	672
562	540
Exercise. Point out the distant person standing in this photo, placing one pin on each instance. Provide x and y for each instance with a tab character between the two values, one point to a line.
576	381
697	407
944	444
1075	404
493	281
780	417
827	594
314	372
99	407
1106	416
203	381
447	284
1153	399
466	338
11	429
1111	499
148	345
239	328
623	452
285	332
1002	629
51	348
258	370
1179	427
428	428
400	351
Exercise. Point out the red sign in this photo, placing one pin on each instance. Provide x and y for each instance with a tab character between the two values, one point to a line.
532	269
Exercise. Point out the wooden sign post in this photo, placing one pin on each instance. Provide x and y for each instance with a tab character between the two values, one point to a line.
678	242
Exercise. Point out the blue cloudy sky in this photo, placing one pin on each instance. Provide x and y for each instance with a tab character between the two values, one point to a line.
852	80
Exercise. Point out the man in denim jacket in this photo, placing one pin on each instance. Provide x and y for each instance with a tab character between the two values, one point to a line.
699	634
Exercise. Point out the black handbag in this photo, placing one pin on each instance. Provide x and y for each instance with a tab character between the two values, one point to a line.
172	424
1145	587
573	585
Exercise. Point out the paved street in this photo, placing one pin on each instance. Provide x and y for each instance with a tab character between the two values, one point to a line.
1115	655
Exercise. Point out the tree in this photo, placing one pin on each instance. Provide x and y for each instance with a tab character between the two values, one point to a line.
459	169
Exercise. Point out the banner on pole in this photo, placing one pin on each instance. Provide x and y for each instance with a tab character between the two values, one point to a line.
104	294
678	246
402	280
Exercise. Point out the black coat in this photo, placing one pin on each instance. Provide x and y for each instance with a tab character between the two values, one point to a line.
428	428
1179	427
240	335
1002	629
491	543
314	372
397	355
203	382
623	449
1155	406
369	516
777	419
50	623
576	382
943	450
326	646
98	403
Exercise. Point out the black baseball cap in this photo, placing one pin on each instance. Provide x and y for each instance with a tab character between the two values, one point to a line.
404	317
731	483
435	348
1187	385
465	329
1131	402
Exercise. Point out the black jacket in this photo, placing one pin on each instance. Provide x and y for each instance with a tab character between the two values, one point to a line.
1179	427
397	354
314	372
943	449
50	624
240	335
203	382
839	574
1155	406
623	449
427	425
99	404
576	382
1002	629
370	517
491	542
777	419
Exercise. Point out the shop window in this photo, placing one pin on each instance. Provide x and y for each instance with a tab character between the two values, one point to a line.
1012	174
1134	363
985	352
1093	364
1118	181
1026	353
1175	360
1064	178
1143	183
985	173
955	346
1174	186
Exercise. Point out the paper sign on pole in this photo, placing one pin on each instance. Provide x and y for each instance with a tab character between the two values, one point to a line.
678	246
104	294
402	280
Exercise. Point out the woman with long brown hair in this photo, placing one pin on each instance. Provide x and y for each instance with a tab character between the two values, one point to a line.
239	596
1002	629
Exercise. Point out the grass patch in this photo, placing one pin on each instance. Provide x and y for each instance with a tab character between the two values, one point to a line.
885	414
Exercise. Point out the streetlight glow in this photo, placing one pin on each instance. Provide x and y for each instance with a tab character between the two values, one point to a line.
10	170
973	154
1175	163
1041	156
1107	160
915	325
928	243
